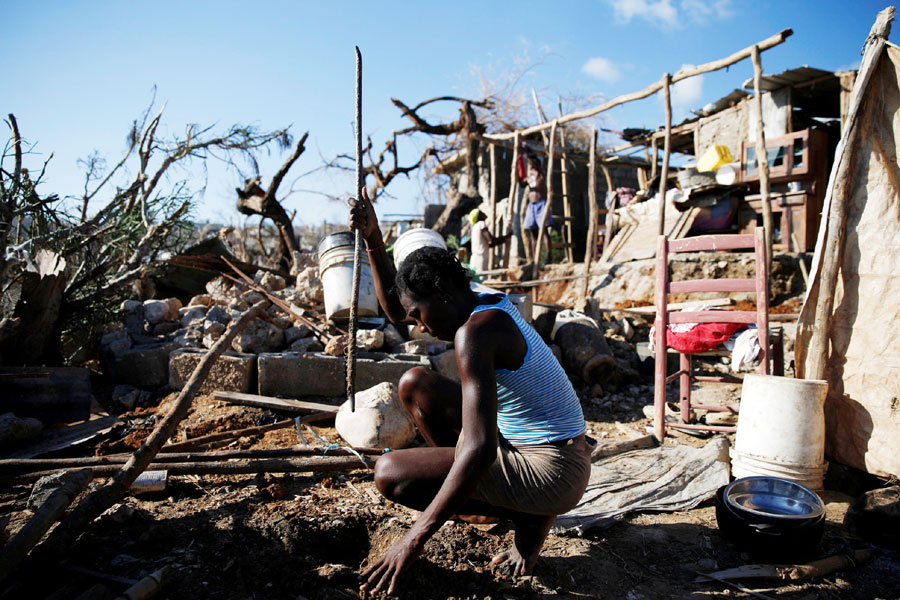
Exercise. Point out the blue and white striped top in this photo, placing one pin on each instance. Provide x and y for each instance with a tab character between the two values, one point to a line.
536	403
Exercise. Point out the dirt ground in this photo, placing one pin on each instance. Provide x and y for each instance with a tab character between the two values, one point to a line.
307	536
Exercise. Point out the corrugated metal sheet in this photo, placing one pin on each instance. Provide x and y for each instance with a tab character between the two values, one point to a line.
789	78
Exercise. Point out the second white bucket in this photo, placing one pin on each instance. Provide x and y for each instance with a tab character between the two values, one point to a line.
336	271
781	429
413	240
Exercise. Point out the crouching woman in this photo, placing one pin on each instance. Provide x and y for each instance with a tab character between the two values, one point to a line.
507	441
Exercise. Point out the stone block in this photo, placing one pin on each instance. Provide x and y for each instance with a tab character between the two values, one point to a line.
145	366
295	375
445	364
233	372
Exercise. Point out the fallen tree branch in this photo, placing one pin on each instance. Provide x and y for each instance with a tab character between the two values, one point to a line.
31	533
64	536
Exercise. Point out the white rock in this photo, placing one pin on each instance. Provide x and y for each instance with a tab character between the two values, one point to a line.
433	346
392	337
369	339
307	344
259	336
379	421
155	311
445	364
272	282
190	314
201	300
296	332
42	489
217	313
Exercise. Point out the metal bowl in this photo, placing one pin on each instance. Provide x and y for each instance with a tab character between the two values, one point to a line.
774	499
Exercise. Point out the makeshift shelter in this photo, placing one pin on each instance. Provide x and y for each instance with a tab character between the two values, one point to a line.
850	320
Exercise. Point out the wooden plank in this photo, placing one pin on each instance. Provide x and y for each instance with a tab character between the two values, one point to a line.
618	447
714	316
50	394
712	285
52	440
282	404
651	310
712	243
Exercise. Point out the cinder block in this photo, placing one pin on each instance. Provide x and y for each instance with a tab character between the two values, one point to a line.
145	366
317	374
233	371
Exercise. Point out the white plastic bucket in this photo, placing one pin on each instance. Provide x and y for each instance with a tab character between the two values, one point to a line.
781	429
415	239
336	272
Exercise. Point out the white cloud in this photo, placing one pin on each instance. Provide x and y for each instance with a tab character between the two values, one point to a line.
671	14
686	94
602	68
657	11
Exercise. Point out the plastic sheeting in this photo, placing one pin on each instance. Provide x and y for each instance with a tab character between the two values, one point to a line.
862	411
667	478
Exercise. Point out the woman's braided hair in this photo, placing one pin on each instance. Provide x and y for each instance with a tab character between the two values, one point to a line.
428	271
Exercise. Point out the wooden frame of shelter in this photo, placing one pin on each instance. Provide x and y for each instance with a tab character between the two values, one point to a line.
753	52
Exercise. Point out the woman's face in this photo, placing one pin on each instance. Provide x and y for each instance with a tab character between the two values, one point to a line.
434	315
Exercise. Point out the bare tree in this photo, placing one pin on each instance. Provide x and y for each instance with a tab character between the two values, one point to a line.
137	223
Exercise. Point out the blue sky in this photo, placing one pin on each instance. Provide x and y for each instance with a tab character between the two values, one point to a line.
78	73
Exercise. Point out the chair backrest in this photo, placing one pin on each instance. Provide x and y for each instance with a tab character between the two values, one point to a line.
759	285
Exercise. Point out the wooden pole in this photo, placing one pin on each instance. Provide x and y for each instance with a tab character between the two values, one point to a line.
548	206
715	65
610	209
98	501
567	203
358	245
667	148
654	156
216	467
762	158
511	201
492	153
813	337
594	216
46	516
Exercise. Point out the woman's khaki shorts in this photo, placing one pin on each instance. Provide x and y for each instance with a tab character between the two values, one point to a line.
544	479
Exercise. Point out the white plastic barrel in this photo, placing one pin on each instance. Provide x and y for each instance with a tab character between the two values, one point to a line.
413	240
336	272
781	430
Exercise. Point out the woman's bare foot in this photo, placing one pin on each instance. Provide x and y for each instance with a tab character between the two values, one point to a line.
530	533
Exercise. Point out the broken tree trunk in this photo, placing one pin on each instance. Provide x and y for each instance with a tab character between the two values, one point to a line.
31	533
94	504
667	148
762	159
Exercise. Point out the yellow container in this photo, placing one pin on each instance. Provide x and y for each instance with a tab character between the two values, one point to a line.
714	157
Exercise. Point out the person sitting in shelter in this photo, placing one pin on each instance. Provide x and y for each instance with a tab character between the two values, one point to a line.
508	440
482	241
536	194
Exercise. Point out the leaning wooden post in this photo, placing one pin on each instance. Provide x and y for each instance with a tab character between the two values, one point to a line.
358	244
567	203
492	201
46	516
654	154
548	205
667	147
511	201
594	214
762	158
95	503
610	208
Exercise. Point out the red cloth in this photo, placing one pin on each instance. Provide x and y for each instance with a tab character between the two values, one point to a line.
521	168
704	336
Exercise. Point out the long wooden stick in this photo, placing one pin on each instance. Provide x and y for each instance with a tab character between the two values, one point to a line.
715	65
511	200
591	248
610	208
31	533
94	504
358	245
667	149
196	442
813	335
548	206
31	465
762	158
495	226
216	467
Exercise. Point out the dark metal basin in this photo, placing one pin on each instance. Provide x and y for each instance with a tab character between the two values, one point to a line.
773	500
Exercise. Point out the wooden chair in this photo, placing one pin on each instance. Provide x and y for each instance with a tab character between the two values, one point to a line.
758	285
